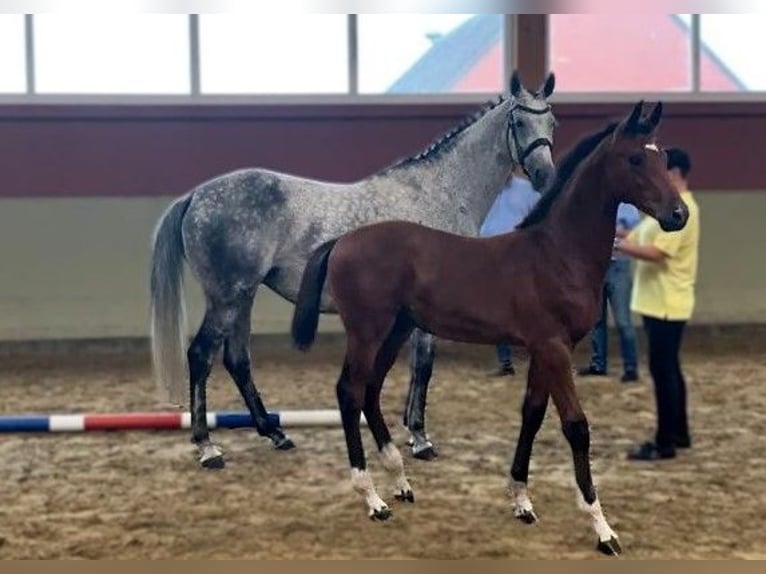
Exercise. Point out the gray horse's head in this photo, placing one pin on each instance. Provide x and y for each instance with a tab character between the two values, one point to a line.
530	130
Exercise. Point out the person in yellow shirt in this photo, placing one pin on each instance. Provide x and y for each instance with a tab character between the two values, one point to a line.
663	294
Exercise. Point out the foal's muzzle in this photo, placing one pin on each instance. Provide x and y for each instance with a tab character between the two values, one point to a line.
676	219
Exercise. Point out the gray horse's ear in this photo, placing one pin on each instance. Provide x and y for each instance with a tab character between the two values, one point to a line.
548	85
516	86
655	116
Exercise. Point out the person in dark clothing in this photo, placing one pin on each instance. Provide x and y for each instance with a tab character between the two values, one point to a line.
618	285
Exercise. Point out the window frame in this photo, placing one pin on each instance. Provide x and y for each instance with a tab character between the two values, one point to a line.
196	71
536	60
195	97
32	79
693	95
24	67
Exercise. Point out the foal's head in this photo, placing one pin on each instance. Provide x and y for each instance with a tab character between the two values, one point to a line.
530	130
638	169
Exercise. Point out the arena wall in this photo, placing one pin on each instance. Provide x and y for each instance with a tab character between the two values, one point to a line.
83	186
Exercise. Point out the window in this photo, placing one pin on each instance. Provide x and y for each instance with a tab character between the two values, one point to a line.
430	53
644	52
111	54
292	53
730	50
13	75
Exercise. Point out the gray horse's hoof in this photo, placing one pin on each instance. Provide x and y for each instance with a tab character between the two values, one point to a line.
425	452
213	463
283	443
211	457
407	496
381	515
609	547
526	516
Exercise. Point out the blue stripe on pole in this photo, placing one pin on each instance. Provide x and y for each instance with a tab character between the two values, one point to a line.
24	424
233	420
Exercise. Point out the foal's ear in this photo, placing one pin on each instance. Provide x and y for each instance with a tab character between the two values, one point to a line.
516	86
629	124
548	85
655	116
634	116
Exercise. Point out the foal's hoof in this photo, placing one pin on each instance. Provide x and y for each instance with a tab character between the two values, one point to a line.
381	514
526	516
283	443
405	496
609	547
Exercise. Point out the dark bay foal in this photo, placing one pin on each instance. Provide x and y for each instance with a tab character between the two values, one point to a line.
539	287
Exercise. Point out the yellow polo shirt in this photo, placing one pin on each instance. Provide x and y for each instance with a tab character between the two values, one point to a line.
666	290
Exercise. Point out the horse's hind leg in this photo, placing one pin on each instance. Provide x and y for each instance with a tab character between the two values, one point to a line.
421	368
532	415
555	359
351	390
236	359
389	453
201	353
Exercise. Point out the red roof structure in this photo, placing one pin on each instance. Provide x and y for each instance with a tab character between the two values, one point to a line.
589	53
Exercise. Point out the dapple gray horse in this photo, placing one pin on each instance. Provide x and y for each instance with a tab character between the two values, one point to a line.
256	226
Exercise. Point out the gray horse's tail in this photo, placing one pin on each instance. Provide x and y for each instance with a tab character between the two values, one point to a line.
307	307
168	312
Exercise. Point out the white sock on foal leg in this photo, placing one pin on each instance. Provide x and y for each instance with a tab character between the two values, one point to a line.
394	465
362	483
600	525
522	505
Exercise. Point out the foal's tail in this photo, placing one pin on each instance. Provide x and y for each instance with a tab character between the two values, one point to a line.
168	313
306	314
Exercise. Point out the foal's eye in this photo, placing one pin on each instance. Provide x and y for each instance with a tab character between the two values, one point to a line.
636	159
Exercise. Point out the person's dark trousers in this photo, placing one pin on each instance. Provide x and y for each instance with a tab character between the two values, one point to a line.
504	356
505	368
664	338
618	287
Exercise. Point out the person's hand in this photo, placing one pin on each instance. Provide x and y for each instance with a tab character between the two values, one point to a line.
621	232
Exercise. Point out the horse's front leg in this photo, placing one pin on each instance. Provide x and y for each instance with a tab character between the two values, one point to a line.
421	366
532	415
574	425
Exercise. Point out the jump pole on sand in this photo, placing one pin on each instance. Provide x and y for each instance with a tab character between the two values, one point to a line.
161	421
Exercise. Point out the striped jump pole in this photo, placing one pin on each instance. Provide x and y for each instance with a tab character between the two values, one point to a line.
161	421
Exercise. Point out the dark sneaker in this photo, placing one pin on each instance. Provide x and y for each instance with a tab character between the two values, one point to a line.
503	371
629	377
650	451
682	442
591	371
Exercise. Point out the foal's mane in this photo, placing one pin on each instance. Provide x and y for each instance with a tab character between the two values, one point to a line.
446	140
566	168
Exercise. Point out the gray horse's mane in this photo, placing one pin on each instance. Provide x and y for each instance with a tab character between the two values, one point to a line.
447	140
567	166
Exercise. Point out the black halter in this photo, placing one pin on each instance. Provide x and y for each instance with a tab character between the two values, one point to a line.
522	153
